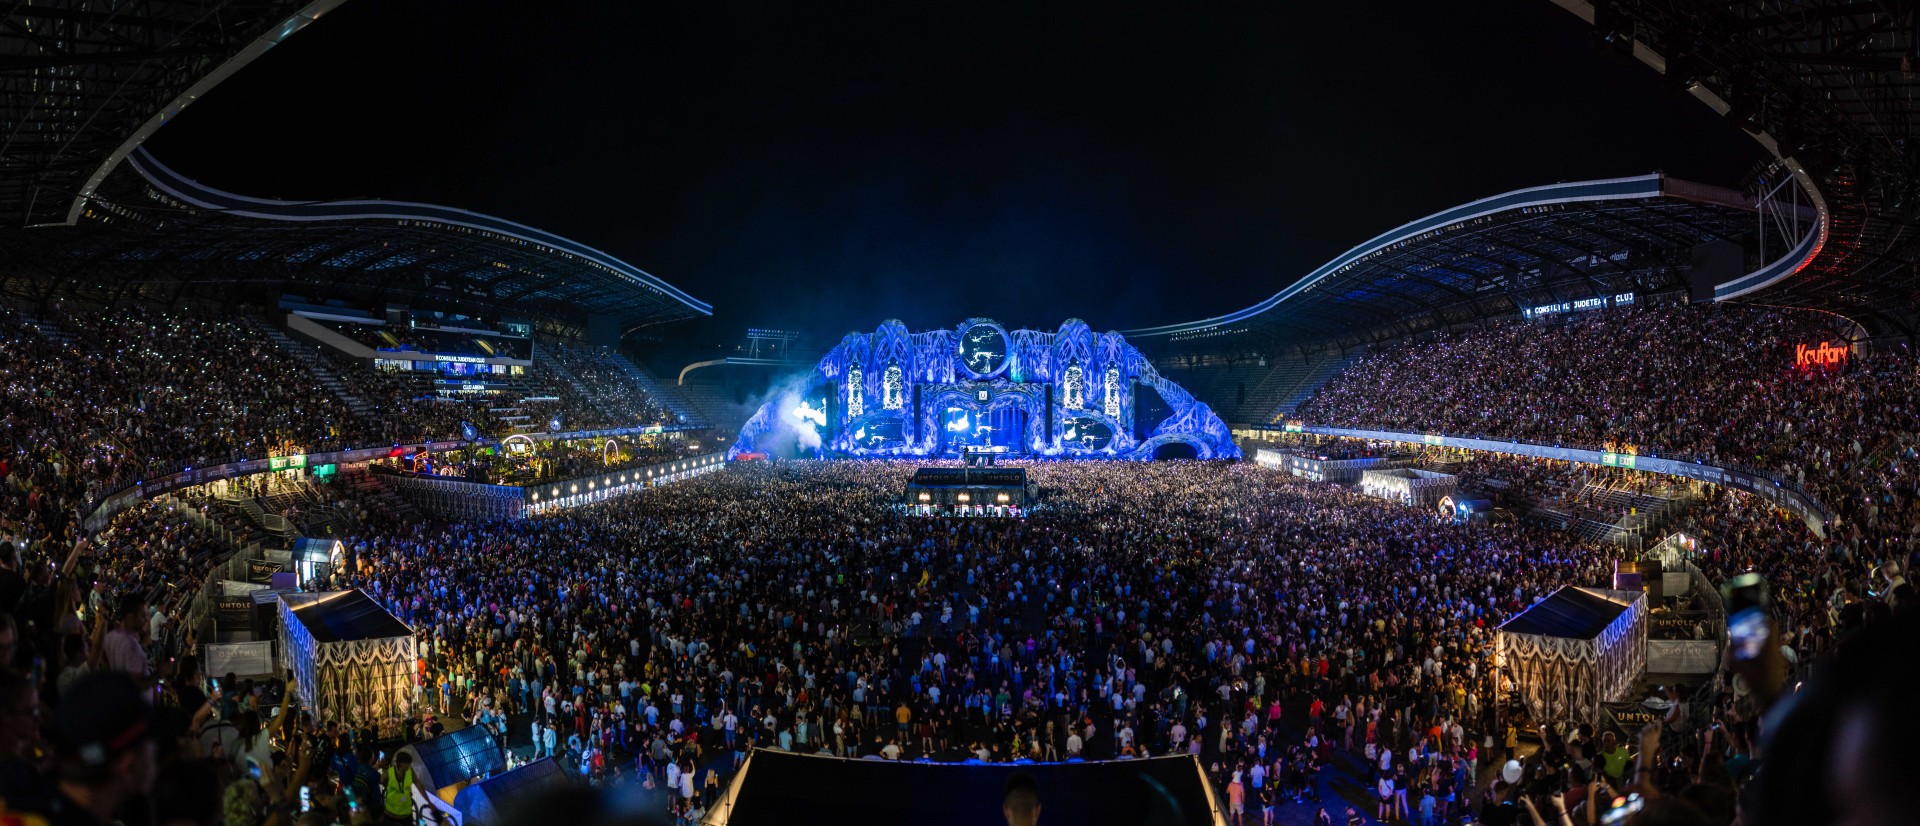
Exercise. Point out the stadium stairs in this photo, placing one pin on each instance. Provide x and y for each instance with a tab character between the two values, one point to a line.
278	532
669	396
315	364
1314	374
377	495
547	363
713	405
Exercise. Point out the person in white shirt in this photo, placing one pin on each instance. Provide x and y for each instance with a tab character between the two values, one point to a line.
121	649
1073	745
157	626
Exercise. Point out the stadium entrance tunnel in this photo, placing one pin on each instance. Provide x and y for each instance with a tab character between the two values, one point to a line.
1175	450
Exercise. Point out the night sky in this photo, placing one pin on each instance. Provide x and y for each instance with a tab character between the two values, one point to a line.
826	166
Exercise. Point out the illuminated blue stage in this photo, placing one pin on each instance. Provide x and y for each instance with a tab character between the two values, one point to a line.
977	388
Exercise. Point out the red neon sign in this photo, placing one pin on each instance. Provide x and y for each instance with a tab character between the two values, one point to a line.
1825	355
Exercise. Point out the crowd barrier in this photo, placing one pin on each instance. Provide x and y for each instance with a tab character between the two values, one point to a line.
1789	498
451	498
127	495
460	499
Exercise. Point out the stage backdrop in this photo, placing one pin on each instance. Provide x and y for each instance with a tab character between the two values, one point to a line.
981	387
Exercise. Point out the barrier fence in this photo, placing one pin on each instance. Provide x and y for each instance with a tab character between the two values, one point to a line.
127	495
460	499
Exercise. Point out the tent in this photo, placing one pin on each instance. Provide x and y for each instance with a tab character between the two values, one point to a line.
352	661
774	788
481	804
456	757
315	559
1574	650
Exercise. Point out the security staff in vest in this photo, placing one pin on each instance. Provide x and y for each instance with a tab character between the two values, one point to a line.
399	779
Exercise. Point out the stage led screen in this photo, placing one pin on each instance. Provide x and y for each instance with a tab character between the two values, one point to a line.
879	433
1088	432
983	349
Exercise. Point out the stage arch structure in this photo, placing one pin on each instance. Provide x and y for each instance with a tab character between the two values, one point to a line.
981	388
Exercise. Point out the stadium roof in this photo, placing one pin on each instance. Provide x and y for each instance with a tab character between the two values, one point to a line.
1826	85
149	224
84	82
1499	256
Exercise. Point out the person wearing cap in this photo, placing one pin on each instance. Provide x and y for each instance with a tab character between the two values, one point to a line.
104	750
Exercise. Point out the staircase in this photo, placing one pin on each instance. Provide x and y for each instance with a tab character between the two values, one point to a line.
379	496
1311	380
714	405
273	523
669	396
1265	396
315	364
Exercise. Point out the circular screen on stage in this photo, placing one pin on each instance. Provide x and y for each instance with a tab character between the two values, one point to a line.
983	350
1085	433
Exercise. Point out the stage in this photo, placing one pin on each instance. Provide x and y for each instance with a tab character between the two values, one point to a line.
979	387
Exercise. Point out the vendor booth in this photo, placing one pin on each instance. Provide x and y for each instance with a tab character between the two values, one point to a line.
1575	650
1462	509
315	560
352	661
1409	486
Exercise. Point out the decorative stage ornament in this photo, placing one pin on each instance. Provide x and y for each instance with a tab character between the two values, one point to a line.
978	387
856	395
893	394
1112	405
1076	385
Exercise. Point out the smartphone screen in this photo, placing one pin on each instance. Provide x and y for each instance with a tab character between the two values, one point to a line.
1748	630
306	799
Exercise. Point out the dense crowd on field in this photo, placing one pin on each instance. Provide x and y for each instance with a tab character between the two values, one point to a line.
1144	610
1318	651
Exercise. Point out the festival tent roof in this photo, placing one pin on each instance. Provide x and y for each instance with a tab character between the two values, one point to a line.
456	757
314	550
1573	613
342	616
482	803
1574	650
776	787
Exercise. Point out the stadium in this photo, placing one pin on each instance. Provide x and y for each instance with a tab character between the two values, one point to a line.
1564	493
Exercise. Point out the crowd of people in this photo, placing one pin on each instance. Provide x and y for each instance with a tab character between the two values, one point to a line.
553	460
1312	647
93	399
1720	384
1218	610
